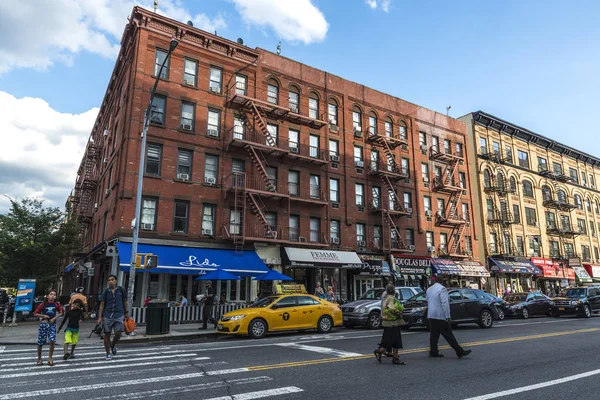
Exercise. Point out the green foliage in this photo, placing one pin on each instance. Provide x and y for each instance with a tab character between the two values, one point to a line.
34	242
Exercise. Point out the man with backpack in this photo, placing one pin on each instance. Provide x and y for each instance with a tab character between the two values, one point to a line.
113	309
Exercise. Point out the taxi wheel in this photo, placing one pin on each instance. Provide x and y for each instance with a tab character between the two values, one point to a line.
257	329
325	324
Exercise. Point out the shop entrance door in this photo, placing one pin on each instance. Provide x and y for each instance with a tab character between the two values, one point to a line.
362	283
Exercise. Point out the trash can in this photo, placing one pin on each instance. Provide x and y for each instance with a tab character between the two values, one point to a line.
157	318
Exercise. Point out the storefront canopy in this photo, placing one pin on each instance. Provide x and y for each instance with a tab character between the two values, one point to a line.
472	268
592	270
514	267
303	258
582	275
69	267
444	266
194	261
461	268
412	265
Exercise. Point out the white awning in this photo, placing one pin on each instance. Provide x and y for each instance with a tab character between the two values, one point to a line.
295	257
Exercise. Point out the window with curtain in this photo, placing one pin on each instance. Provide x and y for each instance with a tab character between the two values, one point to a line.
148	214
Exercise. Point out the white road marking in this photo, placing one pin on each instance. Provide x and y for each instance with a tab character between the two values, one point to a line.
84	355
113	384
536	386
33	348
321	350
504	325
261	394
2	349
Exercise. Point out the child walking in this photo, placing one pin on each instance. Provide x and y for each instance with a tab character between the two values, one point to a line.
48	312
74	317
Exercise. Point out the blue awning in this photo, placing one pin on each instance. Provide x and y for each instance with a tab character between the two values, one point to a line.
69	267
514	266
180	260
445	266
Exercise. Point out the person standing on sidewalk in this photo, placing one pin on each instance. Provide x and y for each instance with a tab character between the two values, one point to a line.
209	301
438	314
72	318
47	312
113	309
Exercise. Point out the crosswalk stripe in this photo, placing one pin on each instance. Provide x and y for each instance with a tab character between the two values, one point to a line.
78	362
100	345
261	394
83	355
321	350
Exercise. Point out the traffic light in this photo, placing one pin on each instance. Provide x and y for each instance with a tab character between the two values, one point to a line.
151	262
138	261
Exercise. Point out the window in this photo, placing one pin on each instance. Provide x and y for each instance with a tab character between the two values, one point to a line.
239	129
447	146
523	159
405	167
314	146
588	205
358	157
374	160
574	176
157	112
272	175
465	212
241	84
359	192
596	253
482	145
459	149
584	179
271	219
214	121
376	194
184	164
410	237
546	193
334	231
235	222
592	229
578	202
554	248
237	166
581	225
468	245
569	250
211	166
153	159
534	246
561	196
294	100
287	302
530	216
334	190
508	152
596	207
273	131
425	172
361	236
110	178
187	116
520	249
294	228
159	58
334	148
462	180
443	242
592	184
565	222
491	215
148	214
516	214
294	183
180	216
392	201
407	200
273	93
422	139
429	240
402	132
315	187
550	220
313	107
487	179
190	72
557	168
332	110
293	137
493	246
435	143
542	164
389	128
315	229
427	204
216	77
209	212
372	125
513	184
357	120
585	253
527	189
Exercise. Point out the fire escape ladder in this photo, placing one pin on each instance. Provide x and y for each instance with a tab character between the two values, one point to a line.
396	239
457	233
388	153
258	208
451	211
239	205
391	191
261	164
259	120
450	172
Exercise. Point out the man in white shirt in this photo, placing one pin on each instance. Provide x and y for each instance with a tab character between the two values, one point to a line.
438	314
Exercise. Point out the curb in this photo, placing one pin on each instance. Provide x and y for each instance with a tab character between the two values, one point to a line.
145	339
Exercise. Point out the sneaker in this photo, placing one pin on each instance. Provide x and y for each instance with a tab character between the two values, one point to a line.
438	355
66	356
72	355
108	357
464	353
114	351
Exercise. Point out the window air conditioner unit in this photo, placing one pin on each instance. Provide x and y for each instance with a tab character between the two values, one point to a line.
294	149
188	81
424	147
357	132
210	181
294	109
95	206
428	213
335	240
271	234
212	132
335	205
359	163
186	127
409	210
148	227
430	249
106	132
208	232
302	239
334	158
362	243
411	247
361	208
333	127
425	179
214	89
183	177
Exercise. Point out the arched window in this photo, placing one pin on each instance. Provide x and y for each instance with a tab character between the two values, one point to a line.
527	188
588	204
357	118
513	184
294	99
500	180
561	196
402	131
372	123
487	179
313	106
272	91
596	207
389	128
578	202
546	193
332	111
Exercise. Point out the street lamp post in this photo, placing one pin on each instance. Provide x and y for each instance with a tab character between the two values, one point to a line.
138	197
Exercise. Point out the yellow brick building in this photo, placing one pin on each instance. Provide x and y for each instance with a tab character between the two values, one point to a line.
536	201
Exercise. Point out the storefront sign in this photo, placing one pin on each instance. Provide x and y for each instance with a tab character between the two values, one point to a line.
412	265
553	270
574	261
582	274
321	258
514	266
593	270
472	268
25	291
290	289
445	266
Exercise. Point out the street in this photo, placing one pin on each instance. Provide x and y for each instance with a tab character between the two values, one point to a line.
558	356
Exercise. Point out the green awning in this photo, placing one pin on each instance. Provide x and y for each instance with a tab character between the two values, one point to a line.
582	275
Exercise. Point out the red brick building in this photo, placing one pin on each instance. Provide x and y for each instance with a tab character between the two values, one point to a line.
249	151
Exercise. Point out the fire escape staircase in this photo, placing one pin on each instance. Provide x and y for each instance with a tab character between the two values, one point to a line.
258	208
261	165
396	240
392	192
88	181
450	217
259	120
445	183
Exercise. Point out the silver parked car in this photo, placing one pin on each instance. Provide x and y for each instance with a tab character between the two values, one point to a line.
366	311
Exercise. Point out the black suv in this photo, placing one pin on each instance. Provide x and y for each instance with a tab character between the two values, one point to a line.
581	301
466	306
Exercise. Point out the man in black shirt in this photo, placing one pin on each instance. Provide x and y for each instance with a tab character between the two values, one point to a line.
209	301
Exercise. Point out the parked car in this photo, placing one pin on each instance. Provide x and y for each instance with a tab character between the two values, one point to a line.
467	306
527	304
581	301
500	305
366	311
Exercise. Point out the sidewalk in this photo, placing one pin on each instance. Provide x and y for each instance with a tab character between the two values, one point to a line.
26	334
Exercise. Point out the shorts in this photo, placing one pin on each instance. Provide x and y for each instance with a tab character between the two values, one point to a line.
71	336
113	323
46	333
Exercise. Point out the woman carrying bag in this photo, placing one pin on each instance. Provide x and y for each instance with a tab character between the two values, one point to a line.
391	320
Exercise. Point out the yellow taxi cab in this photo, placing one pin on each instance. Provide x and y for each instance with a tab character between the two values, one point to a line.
290	309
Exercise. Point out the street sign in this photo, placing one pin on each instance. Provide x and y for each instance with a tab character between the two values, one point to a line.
151	261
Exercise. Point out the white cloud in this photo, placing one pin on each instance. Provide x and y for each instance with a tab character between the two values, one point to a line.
297	20
384	5
44	32
41	149
371	3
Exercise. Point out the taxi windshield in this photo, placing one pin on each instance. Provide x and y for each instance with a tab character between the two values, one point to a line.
372	294
265	302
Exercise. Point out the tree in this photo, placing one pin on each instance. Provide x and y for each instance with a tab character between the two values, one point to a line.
34	242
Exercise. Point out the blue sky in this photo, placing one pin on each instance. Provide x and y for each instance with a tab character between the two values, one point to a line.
533	63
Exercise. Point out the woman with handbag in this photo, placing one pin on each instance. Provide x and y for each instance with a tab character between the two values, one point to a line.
391	320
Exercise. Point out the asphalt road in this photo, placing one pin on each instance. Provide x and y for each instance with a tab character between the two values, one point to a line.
540	358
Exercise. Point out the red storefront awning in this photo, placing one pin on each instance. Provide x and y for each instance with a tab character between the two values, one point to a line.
553	270
593	270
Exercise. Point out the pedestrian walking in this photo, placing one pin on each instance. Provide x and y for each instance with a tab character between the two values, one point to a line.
72	318
47	312
438	314
391	320
113	309
209	301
